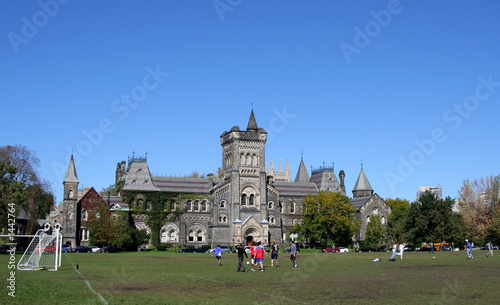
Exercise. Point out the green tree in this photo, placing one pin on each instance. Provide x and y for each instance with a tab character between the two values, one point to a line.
396	222
11	190
375	232
328	219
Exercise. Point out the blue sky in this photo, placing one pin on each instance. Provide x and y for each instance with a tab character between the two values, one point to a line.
412	88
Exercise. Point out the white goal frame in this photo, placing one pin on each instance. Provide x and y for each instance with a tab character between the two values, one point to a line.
44	250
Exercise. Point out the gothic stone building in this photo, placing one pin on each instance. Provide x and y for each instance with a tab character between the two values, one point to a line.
246	203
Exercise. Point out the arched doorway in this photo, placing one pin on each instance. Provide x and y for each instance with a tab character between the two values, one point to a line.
250	235
249	240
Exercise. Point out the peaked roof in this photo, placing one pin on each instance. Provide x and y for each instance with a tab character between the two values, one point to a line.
139	178
302	175
252	123
362	183
326	180
71	175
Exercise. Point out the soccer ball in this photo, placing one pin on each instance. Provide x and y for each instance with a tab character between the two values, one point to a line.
433	257
248	263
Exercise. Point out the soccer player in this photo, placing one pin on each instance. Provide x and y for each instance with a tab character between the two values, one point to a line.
293	254
469	249
259	256
274	253
241	252
218	254
252	253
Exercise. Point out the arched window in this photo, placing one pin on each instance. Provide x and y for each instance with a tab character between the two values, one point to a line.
191	235
173	236
71	194
85	215
140	203
292	208
368	219
375	211
189	206
173	206
281	208
270	206
196	205
244	199
222	204
242	159
222	219
254	160
163	236
204	206
382	220
271	220
251	200
249	159
199	236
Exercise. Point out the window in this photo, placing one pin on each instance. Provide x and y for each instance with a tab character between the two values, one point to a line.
191	236
222	204
148	205
71	194
204	206
196	205
254	160
189	206
173	236
173	206
244	199
375	211
292	208
249	159
242	159
281	209
271	220
84	215
251	200
163	236
222	219
383	220
199	236
140	203
368	219
270	206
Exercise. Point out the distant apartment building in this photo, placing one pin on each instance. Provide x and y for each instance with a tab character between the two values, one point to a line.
436	190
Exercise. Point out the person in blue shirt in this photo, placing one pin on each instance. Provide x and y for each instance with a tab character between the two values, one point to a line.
469	249
293	254
218	254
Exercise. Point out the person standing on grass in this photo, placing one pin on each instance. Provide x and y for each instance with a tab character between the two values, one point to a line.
394	252
218	254
293	254
259	257
490	249
252	253
274	253
431	250
401	249
469	249
241	252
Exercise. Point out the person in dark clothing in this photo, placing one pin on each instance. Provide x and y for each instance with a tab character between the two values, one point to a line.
241	251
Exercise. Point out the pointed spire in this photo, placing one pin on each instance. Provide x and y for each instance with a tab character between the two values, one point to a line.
71	175
302	175
281	167
362	187
252	123
271	170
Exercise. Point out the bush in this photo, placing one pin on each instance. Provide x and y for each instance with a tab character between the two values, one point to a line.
163	247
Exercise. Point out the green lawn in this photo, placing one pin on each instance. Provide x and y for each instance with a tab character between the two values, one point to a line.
189	278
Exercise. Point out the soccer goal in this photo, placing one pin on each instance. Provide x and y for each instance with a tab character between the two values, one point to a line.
44	250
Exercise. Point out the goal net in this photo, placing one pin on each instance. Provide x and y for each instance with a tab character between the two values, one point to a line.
43	252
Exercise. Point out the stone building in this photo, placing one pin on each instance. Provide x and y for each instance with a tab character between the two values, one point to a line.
247	202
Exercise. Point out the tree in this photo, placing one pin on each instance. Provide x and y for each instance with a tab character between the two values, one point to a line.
478	204
396	221
375	232
328	219
23	185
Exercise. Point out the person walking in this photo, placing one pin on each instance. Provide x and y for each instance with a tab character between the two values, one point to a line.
252	253
469	249
431	245
490	249
259	256
218	254
241	252
293	254
274	253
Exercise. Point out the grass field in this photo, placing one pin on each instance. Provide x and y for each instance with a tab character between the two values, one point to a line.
191	278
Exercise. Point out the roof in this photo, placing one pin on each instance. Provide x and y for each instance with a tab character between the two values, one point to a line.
139	178
362	183
71	175
295	188
302	175
252	123
326	180
357	203
187	185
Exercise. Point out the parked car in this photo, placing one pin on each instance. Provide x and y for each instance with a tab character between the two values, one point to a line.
365	249
82	249
475	248
187	250
96	249
226	249
66	248
328	249
409	248
112	249
343	250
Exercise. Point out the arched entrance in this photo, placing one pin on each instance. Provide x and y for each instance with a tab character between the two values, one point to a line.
250	235
249	240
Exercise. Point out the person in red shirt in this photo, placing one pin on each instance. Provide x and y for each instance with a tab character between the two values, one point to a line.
252	253
259	256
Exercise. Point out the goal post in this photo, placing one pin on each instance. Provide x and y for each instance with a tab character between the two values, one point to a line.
44	250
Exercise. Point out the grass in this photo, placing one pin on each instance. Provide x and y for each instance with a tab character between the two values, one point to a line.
191	278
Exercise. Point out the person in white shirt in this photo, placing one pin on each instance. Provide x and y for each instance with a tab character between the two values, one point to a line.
401	249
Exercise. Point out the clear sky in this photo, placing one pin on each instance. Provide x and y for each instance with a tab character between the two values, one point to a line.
412	88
